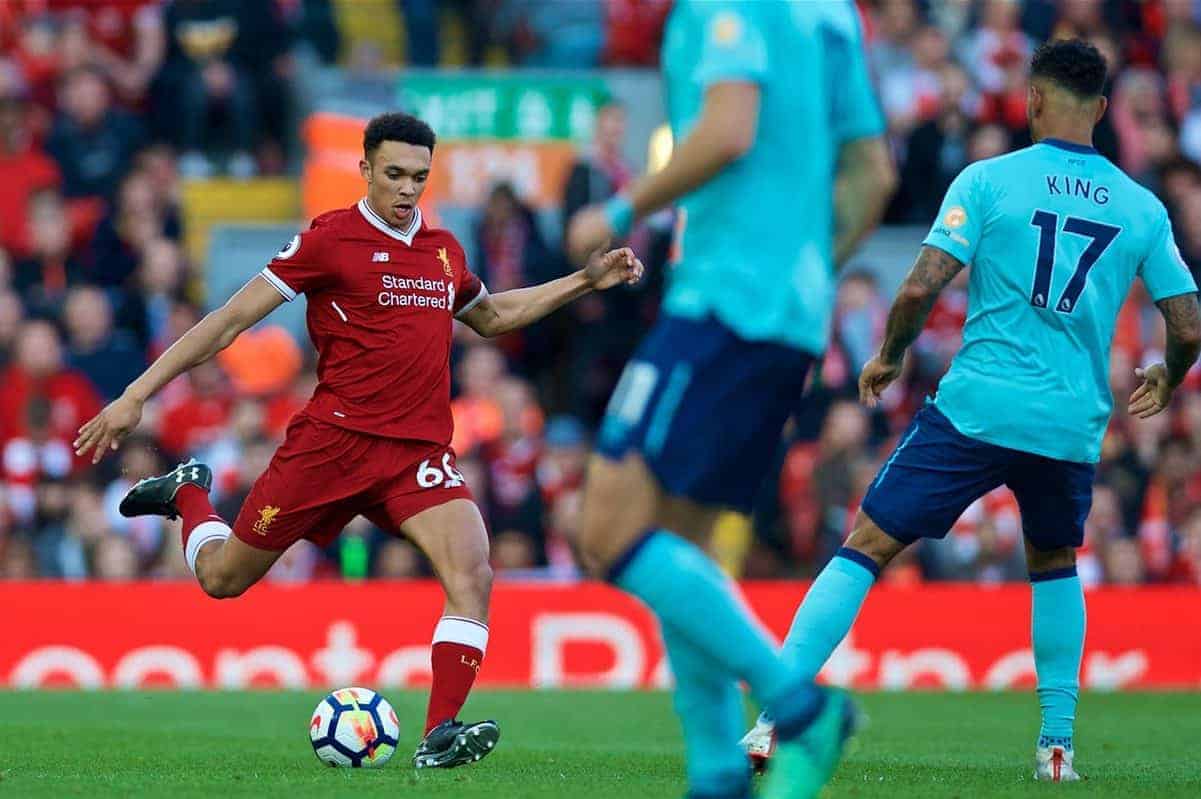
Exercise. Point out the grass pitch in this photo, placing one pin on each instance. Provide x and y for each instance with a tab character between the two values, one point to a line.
582	745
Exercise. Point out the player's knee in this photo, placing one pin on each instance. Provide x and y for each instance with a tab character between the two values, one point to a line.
1042	561
619	504
868	539
222	585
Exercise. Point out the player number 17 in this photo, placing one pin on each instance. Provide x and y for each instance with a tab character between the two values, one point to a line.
1102	236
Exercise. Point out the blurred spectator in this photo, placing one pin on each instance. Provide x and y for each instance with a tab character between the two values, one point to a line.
92	141
912	91
312	22
553	34
114	559
17	560
24	172
515	500
32	461
511	253
633	31
859	315
206	82
123	37
110	358
560	476
510	250
994	49
156	286
1139	115
198	414
42	278
937	151
137	218
602	170
38	373
1123	563
423	21
11	314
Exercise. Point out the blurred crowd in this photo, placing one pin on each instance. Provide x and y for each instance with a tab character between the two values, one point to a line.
106	107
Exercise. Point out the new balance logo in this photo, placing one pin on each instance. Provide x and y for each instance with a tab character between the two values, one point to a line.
379	258
183	474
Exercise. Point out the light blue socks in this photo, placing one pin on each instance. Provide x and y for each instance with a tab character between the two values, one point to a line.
829	609
712	714
692	597
1057	631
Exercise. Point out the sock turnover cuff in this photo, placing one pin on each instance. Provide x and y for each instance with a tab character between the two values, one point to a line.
202	534
1054	574
857	557
461	630
626	558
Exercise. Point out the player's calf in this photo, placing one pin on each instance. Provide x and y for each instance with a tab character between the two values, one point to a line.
224	566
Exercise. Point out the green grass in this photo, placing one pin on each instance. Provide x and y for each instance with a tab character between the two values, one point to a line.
580	745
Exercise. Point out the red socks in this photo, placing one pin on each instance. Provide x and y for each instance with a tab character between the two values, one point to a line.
194	507
197	512
458	651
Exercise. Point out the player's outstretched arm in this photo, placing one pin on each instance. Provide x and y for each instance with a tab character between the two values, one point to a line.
1182	315
931	273
512	310
210	335
724	133
865	181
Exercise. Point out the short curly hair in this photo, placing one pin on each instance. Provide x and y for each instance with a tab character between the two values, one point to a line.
397	126
1073	64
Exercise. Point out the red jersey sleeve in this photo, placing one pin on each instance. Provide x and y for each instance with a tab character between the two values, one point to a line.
301	266
470	291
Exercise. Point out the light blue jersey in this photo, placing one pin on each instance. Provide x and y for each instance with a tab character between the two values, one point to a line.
754	245
1055	234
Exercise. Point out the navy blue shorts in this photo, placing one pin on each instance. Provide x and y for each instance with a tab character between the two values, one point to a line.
705	409
936	472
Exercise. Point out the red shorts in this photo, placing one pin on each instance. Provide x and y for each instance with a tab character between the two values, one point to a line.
322	476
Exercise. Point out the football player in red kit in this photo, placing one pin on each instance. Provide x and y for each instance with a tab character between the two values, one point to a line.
382	288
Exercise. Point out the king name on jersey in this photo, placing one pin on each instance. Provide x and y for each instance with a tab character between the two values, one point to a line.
1073	186
440	296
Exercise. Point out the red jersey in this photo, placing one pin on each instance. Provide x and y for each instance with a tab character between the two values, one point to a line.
381	304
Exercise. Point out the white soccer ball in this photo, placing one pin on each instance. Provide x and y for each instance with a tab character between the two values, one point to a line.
354	727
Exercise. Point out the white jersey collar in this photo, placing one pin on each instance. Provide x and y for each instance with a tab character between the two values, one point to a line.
377	222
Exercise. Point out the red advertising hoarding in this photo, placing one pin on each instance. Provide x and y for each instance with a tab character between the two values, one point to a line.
321	635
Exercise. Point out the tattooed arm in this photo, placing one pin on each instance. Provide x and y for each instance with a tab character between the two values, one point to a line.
932	272
1183	318
865	182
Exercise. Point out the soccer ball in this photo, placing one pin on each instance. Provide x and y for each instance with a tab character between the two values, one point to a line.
354	727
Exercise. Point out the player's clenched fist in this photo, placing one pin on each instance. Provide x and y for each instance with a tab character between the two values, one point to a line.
108	427
876	376
1153	395
605	270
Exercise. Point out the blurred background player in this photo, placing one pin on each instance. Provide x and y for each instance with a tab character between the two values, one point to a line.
1056	235
383	288
774	115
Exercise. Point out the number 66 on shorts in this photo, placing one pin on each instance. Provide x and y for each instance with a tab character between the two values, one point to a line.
324	475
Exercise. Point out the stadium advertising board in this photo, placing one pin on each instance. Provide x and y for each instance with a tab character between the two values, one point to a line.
546	636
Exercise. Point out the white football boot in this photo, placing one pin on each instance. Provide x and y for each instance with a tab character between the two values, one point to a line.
1054	764
760	744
